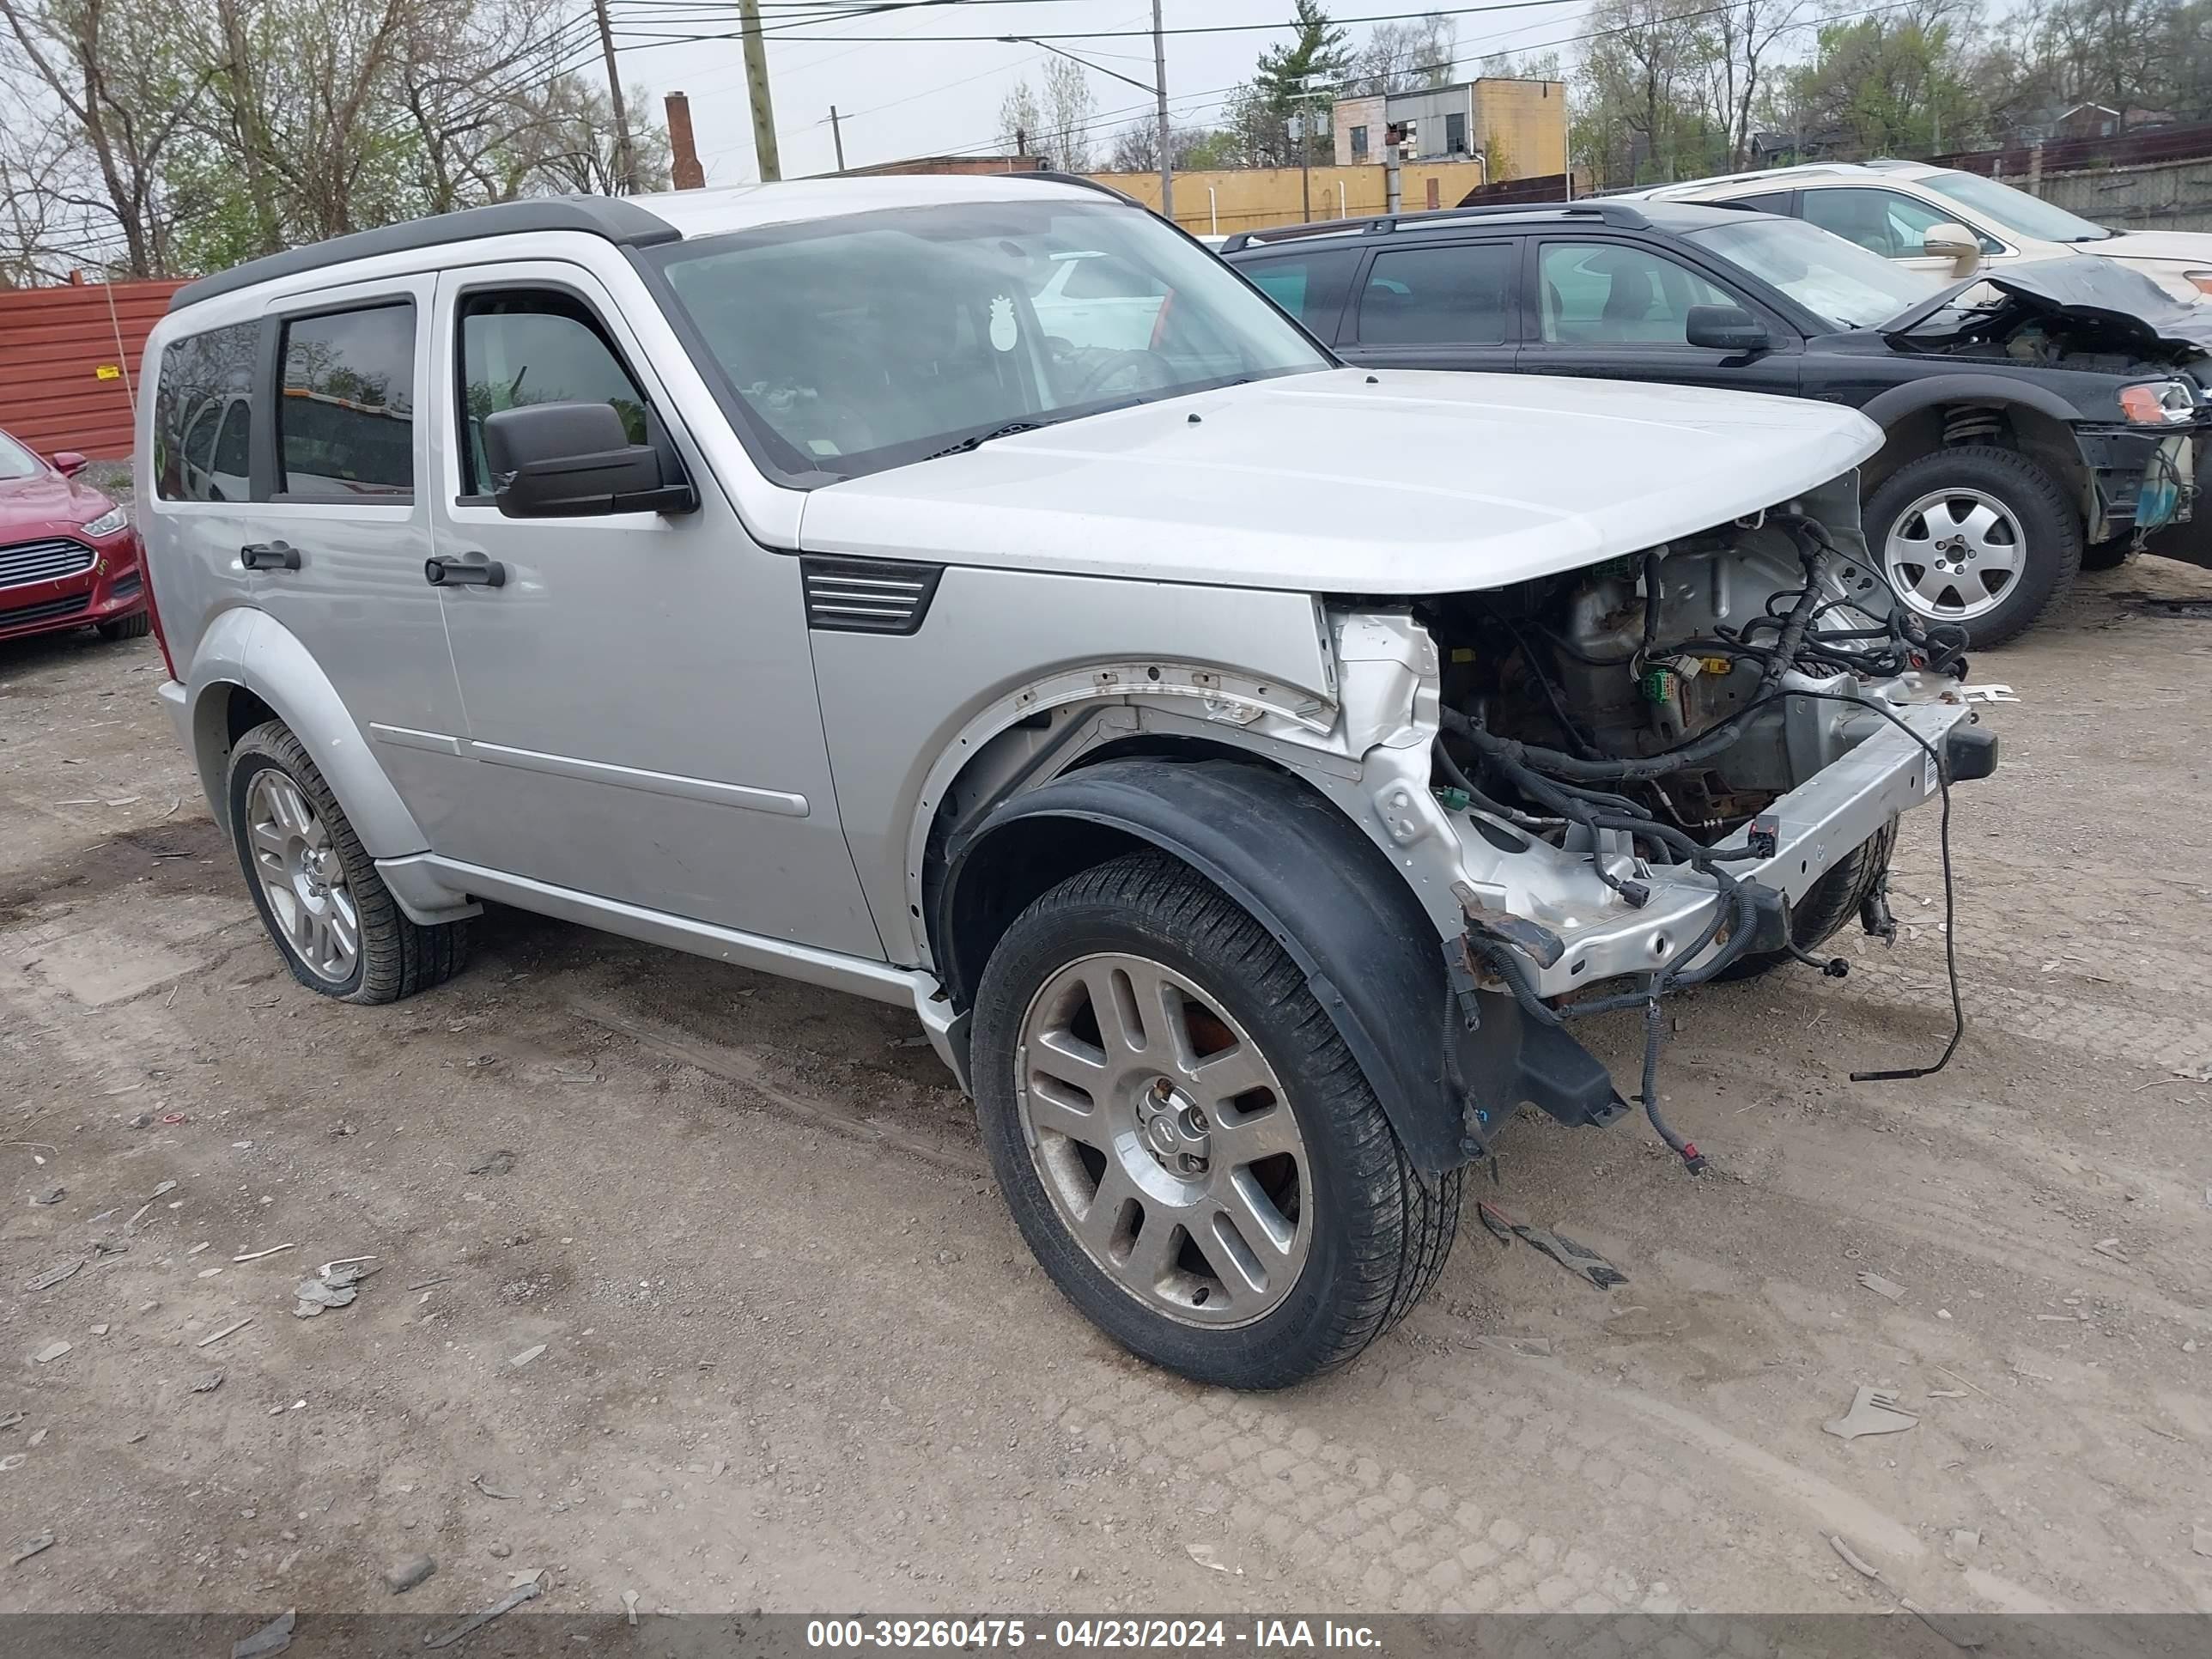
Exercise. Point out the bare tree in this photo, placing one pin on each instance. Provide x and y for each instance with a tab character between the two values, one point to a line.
1136	147
1401	57
567	143
125	89
1054	122
36	165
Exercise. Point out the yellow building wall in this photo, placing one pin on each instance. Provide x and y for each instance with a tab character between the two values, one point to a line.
1522	126
1256	198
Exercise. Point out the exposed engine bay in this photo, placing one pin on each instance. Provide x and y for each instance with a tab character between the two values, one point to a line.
1677	679
1640	718
2084	313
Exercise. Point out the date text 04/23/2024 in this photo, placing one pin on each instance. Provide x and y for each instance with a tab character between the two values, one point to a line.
1261	1636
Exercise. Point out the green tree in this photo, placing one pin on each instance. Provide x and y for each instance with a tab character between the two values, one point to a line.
1300	78
1890	84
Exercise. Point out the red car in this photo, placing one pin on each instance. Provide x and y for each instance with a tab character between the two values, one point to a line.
69	556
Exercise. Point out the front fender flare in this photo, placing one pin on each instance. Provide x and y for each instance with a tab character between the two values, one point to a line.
251	650
1913	396
1323	890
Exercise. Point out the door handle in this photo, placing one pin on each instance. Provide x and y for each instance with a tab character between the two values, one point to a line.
469	570
269	556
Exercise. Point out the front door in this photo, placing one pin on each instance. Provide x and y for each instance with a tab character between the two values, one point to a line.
339	533
1888	222
1619	310
642	722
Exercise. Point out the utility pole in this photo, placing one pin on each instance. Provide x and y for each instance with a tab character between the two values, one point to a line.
1167	142
625	157
837	134
1309	97
764	150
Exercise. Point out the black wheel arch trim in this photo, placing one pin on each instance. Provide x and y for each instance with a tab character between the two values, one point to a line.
1913	396
1328	896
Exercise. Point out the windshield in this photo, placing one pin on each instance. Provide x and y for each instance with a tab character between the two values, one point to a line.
1839	281
855	345
16	461
2015	210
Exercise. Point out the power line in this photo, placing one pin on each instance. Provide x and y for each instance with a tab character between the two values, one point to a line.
1104	119
788	29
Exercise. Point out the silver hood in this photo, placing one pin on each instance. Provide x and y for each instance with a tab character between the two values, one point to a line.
1397	482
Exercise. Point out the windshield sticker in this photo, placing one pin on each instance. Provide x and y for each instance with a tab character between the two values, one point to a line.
1003	330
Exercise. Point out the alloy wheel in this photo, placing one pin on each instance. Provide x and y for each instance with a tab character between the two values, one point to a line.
1164	1138
1954	554
302	877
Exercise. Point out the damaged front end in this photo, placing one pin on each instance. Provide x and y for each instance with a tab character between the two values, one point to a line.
1654	772
2144	361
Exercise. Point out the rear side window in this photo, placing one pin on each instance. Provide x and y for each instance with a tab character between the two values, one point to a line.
1437	296
535	346
1311	286
1771	201
345	421
202	413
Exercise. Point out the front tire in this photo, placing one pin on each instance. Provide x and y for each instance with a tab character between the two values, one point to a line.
1193	1154
136	626
1976	535
335	922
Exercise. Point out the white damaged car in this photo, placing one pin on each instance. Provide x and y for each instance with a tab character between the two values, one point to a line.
1248	767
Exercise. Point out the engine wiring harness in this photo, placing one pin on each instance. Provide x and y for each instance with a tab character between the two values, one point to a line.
1570	789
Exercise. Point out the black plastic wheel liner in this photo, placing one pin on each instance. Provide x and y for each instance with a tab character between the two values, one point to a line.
1328	896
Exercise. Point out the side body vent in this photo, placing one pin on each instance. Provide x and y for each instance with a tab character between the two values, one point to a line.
867	596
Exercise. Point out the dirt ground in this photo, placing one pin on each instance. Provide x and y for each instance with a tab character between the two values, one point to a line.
789	1351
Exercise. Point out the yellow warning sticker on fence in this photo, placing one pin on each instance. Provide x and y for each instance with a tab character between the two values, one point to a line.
109	372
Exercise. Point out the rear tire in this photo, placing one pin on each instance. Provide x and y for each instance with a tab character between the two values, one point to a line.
1345	1232
333	920
136	626
1977	535
1828	904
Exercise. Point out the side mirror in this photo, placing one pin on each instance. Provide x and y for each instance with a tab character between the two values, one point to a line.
575	461
1725	328
69	462
1955	243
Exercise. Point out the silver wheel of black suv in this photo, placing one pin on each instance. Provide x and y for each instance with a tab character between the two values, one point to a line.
339	929
1188	1147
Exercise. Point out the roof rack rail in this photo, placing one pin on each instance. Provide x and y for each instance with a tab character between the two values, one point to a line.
1050	176
1625	215
620	220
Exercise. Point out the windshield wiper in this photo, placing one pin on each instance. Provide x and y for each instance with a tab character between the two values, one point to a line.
979	438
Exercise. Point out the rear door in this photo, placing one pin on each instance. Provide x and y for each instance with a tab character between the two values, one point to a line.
1311	283
342	524
1436	304
1619	309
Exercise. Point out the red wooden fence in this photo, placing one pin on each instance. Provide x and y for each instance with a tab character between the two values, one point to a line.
70	363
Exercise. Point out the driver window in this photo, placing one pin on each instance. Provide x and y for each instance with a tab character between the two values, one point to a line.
1613	292
1883	221
535	346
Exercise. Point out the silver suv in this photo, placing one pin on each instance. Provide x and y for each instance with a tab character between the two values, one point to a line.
970	593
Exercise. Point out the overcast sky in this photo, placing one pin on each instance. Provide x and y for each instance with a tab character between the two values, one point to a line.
912	95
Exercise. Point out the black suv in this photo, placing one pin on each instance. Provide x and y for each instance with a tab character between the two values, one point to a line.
2050	417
